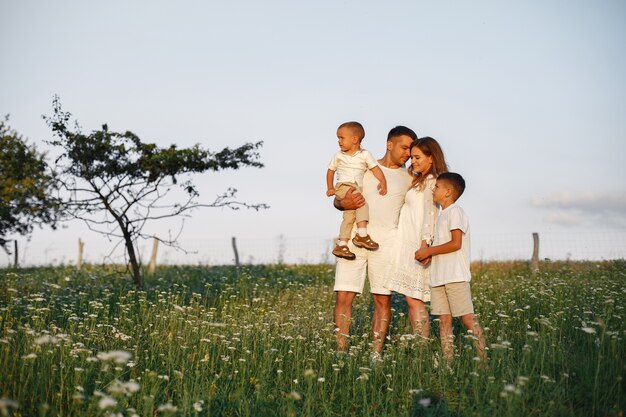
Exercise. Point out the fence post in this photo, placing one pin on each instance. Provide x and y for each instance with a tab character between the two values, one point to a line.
15	256
234	242
155	247
81	247
534	261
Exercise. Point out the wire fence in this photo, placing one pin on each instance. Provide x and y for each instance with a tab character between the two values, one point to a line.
597	245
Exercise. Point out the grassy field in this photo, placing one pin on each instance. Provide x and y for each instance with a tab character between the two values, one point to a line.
203	341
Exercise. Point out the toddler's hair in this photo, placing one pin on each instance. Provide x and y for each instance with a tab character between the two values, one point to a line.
455	181
401	131
355	127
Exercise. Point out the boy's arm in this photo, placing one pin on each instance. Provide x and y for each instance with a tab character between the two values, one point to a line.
382	181
453	245
330	189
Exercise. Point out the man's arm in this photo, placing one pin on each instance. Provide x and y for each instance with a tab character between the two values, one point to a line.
453	245
352	201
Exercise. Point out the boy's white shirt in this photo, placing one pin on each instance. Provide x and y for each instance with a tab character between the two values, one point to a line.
351	168
453	266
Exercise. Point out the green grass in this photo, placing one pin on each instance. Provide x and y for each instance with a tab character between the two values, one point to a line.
203	341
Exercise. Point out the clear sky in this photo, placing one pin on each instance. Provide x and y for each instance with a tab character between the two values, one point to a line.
528	98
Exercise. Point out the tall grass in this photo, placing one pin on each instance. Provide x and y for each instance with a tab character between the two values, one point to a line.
205	341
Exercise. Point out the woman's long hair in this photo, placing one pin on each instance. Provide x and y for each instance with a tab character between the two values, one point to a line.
429	147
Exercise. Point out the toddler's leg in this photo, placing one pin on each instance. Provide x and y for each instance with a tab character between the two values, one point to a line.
362	238
362	218
345	230
341	249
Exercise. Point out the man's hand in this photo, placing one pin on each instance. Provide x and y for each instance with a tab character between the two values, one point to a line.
330	192
352	201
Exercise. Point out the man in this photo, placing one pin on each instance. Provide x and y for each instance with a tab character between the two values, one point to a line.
384	214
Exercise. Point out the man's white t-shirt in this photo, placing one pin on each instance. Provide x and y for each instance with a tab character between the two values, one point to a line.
382	227
385	209
453	266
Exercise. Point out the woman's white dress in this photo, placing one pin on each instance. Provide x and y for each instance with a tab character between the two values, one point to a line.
417	221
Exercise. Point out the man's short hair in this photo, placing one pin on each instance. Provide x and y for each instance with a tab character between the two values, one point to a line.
401	131
456	182
355	127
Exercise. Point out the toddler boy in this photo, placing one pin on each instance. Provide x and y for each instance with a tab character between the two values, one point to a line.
450	270
349	165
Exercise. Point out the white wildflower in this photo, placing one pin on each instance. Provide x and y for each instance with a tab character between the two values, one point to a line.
424	402
509	388
126	388
106	402
293	395
589	330
46	338
117	356
167	408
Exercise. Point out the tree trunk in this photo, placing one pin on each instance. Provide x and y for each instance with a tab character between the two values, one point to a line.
128	241
132	258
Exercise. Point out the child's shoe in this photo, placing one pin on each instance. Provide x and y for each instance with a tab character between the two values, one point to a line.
342	251
364	242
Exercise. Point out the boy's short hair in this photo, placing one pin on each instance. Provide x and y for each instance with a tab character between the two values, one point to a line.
401	131
355	127
456	182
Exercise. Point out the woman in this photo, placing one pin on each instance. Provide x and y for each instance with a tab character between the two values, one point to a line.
416	227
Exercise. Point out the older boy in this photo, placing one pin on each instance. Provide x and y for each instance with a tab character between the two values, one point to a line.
450	270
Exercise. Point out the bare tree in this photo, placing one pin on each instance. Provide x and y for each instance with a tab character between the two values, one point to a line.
116	183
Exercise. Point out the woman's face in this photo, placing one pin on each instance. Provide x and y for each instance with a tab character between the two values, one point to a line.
420	162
